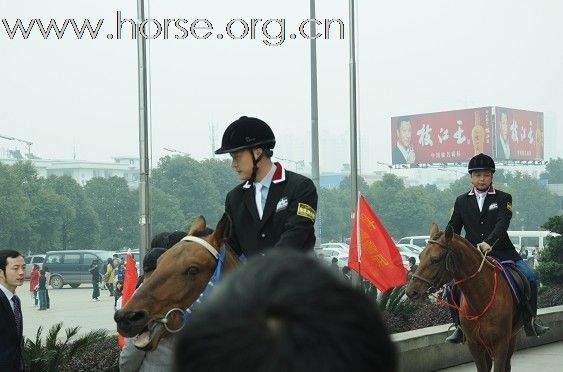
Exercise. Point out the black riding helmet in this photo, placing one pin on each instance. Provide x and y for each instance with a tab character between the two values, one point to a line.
481	162
247	133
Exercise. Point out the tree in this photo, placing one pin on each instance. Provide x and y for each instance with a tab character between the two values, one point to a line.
15	210
81	228
532	203
553	171
192	185
117	209
166	214
550	269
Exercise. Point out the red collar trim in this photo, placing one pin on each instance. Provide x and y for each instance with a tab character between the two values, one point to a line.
279	175
491	190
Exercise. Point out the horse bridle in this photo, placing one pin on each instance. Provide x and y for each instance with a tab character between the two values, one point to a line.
448	249
185	313
431	284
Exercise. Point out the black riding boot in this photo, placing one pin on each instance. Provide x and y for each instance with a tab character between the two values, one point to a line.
530	326
457	336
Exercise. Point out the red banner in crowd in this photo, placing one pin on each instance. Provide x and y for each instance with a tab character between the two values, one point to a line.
129	284
373	253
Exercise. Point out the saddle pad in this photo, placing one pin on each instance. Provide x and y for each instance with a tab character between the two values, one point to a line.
517	281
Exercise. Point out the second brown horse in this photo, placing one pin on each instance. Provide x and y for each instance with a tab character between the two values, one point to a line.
488	313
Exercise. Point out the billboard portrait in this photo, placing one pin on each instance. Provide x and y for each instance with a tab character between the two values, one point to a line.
441	137
519	134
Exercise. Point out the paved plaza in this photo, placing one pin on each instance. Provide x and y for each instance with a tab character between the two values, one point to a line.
538	359
73	307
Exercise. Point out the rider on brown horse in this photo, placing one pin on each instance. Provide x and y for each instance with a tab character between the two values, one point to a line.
485	213
273	207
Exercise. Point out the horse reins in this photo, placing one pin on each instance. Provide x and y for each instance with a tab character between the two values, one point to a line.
448	249
458	282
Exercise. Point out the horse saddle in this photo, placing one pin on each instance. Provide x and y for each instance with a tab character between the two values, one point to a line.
517	281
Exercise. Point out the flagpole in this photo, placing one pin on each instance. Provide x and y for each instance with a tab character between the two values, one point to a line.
353	132
314	109
353	110
144	204
359	237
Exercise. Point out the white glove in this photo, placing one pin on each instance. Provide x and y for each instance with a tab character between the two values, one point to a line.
484	247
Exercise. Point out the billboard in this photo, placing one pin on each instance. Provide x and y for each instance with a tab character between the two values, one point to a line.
519	134
442	137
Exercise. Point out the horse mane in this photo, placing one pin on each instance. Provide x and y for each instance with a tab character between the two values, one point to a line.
453	257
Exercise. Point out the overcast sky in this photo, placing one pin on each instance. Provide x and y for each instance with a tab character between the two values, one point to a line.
413	57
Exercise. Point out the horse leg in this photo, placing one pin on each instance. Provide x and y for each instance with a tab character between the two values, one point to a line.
511	347
480	357
502	356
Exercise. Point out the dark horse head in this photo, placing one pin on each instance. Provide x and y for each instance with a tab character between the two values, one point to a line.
181	275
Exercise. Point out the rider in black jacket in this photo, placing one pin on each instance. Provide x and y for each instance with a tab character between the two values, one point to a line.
273	207
485	213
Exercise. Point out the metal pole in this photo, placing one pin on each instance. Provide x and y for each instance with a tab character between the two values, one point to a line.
353	113
144	206
314	110
353	122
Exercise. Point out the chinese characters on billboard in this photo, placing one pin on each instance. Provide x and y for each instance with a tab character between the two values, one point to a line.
442	137
519	134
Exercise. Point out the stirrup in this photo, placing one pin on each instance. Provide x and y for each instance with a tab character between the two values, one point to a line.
533	329
457	337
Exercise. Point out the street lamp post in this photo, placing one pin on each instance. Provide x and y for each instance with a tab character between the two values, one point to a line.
26	142
175	151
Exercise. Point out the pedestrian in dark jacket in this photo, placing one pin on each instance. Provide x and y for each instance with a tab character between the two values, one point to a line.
96	278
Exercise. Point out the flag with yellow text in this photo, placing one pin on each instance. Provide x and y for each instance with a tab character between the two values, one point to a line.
373	253
129	284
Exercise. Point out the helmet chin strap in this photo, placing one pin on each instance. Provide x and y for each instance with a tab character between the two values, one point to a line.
255	165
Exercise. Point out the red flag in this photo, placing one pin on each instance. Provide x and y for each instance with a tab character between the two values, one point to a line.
129	283
376	257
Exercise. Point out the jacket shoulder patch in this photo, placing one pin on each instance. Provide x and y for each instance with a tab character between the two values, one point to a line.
305	210
509	206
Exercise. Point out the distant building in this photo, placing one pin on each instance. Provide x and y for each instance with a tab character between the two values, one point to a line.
81	170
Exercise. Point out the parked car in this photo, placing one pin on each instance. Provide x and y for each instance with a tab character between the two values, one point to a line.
71	267
343	246
327	251
37	259
414	249
419	240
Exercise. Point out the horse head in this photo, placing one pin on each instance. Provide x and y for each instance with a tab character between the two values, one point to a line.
181	275
438	262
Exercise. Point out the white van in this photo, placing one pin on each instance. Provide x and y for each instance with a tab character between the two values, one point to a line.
530	239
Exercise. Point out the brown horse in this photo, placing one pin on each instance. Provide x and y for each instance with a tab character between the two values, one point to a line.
488	313
181	275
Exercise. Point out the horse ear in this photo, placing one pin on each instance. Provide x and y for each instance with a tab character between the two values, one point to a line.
224	229
434	230
198	225
449	234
